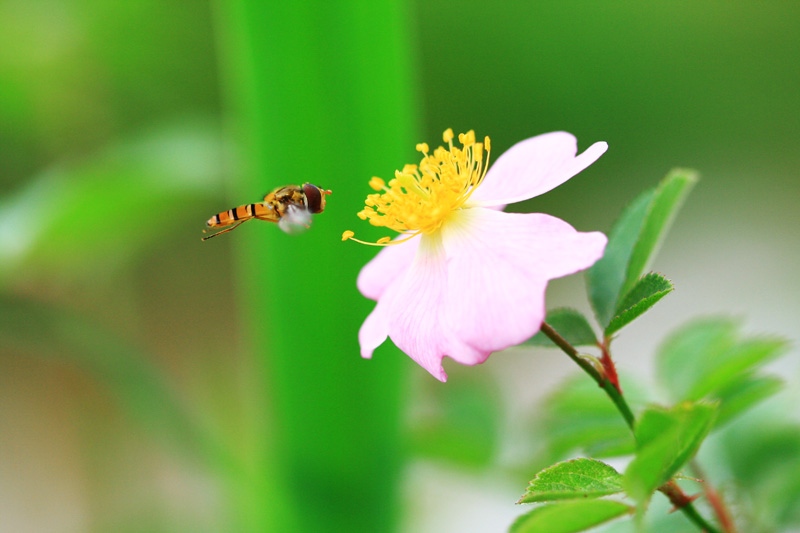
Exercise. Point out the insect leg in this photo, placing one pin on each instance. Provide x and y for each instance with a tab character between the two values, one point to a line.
226	230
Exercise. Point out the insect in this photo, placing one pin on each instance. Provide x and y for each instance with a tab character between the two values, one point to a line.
290	206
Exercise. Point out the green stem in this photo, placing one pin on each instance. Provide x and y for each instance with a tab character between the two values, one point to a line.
692	514
675	494
611	390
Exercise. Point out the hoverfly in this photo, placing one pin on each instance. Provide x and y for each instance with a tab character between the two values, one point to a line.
290	206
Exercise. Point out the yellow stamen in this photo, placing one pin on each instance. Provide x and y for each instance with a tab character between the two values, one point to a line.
421	197
383	241
377	184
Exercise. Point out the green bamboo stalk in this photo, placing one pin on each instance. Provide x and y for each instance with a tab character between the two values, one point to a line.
320	92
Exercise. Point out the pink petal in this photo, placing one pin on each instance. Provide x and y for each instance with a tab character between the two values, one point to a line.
386	267
411	311
414	323
477	287
375	328
533	167
498	266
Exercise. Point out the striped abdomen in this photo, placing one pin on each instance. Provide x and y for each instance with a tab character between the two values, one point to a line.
242	213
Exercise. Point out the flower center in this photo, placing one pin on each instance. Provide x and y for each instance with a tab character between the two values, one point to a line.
421	197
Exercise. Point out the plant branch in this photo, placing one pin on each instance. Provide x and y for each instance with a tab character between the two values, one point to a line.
683	502
671	489
715	500
602	380
608	364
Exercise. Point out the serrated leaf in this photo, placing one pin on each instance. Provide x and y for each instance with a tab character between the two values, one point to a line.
569	517
571	325
644	295
607	276
577	478
665	440
668	199
579	416
633	241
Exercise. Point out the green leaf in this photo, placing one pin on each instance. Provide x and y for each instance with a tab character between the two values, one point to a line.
659	517
633	241
742	395
569	517
578	478
579	416
644	295
685	354
668	198
330	411
665	440
606	277
762	454
708	358
571	325
744	356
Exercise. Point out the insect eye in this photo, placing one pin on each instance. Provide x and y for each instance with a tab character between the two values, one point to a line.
314	197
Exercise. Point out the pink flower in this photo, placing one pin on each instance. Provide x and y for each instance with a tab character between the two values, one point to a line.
465	279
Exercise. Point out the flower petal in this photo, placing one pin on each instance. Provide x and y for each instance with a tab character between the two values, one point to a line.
498	266
533	167
478	287
410	311
386	267
375	328
415	311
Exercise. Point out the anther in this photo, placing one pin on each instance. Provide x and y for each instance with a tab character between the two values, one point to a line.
377	183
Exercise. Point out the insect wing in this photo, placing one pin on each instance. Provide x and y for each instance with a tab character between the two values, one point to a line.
296	220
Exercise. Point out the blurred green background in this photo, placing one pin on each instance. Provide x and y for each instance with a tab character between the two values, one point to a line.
153	382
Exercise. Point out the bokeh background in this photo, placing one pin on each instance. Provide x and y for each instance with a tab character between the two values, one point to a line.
153	382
